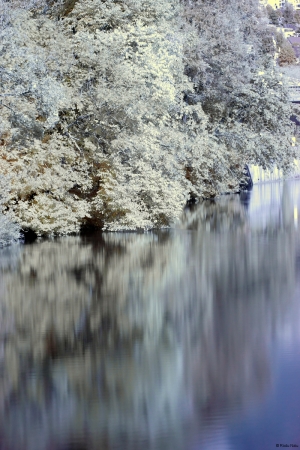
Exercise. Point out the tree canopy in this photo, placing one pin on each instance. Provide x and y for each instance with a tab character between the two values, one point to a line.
115	113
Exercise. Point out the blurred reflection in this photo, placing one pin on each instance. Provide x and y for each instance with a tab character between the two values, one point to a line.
127	340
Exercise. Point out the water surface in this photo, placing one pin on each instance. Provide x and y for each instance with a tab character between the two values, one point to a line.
182	339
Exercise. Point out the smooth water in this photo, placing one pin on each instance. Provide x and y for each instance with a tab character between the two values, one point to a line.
175	340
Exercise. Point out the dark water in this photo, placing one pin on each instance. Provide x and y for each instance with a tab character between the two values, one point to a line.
176	340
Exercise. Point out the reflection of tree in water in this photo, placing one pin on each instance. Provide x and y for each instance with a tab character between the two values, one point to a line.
253	275
121	336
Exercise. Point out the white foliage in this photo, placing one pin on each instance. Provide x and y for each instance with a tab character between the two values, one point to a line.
9	230
95	128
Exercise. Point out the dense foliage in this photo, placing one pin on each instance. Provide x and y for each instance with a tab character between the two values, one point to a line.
115	113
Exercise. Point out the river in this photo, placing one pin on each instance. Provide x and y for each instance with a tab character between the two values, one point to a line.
181	339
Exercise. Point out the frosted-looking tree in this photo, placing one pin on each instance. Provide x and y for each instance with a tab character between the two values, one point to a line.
287	55
9	230
95	129
92	108
236	81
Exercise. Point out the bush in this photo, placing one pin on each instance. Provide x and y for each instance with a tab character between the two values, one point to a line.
287	55
9	231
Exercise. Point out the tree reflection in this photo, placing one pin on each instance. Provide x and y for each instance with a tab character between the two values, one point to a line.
121	338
